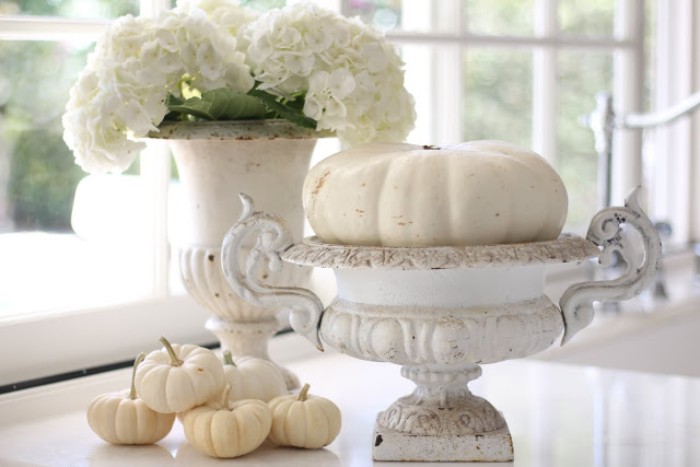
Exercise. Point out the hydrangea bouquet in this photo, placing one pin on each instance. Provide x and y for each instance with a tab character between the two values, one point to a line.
218	60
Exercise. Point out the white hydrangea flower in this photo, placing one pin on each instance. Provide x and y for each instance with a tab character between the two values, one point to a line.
226	13
93	129
121	94
326	95
352	76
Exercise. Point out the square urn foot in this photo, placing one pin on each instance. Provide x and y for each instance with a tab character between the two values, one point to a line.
390	445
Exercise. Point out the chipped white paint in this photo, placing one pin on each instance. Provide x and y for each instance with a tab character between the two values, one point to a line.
391	445
312	252
443	336
640	269
439	312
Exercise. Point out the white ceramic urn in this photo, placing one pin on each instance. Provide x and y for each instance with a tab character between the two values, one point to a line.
440	313
215	162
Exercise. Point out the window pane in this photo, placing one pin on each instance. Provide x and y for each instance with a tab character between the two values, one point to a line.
52	255
418	80
498	95
587	17
505	17
581	76
70	8
382	14
423	16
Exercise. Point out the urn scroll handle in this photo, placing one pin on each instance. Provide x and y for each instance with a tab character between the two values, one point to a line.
271	238
605	231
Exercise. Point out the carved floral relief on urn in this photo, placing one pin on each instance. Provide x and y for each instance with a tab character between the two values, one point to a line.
439	257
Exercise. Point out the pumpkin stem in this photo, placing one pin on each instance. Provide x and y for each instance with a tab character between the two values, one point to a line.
174	359
228	358
137	362
224	397
304	393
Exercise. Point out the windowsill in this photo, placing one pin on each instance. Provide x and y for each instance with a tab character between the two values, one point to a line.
66	342
558	415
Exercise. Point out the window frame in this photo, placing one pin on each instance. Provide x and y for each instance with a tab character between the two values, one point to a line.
627	43
69	340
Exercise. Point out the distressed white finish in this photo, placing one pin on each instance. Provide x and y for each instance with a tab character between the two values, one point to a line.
312	252
440	324
216	161
305	306
577	302
443	336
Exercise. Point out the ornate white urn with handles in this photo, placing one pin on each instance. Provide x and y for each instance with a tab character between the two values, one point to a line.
440	312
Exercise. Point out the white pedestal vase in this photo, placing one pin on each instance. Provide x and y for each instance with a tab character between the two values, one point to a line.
440	313
216	161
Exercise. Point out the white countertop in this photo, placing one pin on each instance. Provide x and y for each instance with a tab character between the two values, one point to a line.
559	415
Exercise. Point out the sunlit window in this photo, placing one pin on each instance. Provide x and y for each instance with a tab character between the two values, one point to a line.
66	240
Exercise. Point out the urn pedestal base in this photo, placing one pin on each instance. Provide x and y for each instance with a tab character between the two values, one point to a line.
442	420
390	445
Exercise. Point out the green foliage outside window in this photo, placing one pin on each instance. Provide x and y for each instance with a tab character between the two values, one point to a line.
43	181
40	176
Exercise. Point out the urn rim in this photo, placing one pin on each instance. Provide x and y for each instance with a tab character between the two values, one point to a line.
565	249
238	130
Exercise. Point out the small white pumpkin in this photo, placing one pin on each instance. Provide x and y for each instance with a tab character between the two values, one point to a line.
220	429
179	377
475	193
303	420
123	418
253	378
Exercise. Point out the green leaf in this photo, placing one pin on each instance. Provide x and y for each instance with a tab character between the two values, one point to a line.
221	104
291	110
171	102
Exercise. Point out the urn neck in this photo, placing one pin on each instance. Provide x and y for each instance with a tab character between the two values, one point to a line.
214	172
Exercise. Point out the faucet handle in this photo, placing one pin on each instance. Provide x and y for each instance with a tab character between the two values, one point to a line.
605	231
272	238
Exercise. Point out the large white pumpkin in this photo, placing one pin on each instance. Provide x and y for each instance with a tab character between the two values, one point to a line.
475	193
